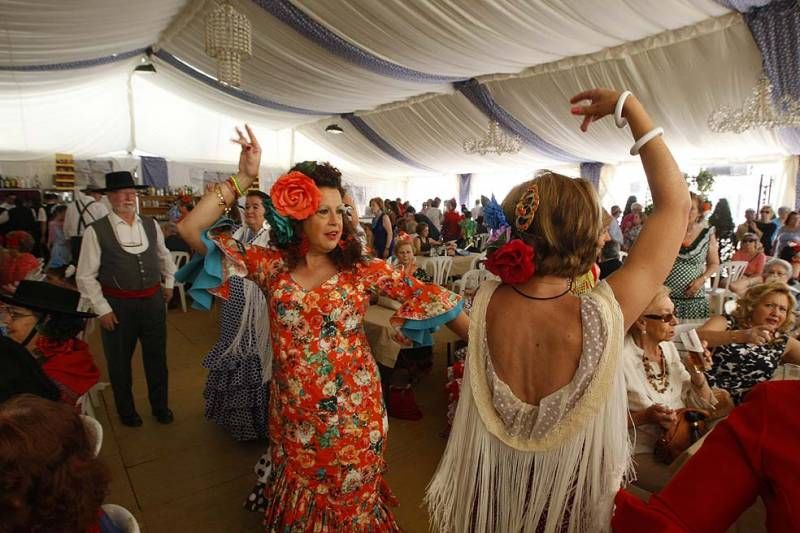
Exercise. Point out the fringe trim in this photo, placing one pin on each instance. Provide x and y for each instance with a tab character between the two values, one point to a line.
566	481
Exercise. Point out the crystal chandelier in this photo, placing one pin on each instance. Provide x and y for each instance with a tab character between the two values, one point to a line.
494	142
229	41
757	111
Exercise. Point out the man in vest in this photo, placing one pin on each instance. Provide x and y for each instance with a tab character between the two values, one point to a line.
123	261
86	209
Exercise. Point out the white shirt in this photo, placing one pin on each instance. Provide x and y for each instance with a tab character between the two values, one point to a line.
642	395
435	215
89	260
477	211
4	214
96	210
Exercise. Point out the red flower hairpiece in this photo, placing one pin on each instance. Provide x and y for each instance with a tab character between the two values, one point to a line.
513	262
295	195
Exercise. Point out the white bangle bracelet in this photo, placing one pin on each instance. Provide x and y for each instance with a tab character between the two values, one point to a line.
621	121
646	138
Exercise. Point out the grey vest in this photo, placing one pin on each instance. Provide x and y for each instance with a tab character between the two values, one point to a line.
122	270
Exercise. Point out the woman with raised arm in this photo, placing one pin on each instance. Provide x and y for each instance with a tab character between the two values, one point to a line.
327	422
540	441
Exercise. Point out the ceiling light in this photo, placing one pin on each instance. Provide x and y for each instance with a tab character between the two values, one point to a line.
334	129
146	68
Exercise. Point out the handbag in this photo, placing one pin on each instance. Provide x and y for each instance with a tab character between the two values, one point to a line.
691	425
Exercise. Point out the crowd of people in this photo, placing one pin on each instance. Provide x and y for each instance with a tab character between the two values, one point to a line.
574	383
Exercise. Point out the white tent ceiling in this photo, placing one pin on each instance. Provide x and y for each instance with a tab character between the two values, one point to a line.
684	58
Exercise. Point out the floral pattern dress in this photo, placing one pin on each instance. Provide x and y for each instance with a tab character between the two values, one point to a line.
327	420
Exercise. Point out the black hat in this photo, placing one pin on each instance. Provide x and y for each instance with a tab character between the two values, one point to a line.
92	187
120	180
46	298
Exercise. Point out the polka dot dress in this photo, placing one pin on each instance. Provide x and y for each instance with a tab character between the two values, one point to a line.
236	397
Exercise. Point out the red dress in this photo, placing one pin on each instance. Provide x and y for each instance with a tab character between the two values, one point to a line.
754	452
327	421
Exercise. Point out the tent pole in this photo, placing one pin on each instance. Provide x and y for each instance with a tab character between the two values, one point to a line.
131	114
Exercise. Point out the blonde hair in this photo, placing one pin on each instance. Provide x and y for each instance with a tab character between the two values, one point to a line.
400	243
698	203
756	294
662	292
566	227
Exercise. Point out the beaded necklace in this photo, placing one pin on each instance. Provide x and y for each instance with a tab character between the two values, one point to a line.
659	381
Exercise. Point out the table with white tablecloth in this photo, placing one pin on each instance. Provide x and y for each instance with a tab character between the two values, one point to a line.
379	335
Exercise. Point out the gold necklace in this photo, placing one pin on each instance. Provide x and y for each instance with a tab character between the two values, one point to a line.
659	381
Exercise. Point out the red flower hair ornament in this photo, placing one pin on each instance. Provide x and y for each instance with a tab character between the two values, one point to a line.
295	195
513	259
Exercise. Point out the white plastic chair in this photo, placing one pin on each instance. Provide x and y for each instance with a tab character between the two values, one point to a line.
180	259
623	256
37	274
476	260
718	296
439	268
471	280
481	240
95	432
121	517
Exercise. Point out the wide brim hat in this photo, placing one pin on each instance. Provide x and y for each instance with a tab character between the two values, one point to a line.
92	187
45	297
120	180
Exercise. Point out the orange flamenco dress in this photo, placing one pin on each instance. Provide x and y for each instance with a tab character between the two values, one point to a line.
752	453
327	421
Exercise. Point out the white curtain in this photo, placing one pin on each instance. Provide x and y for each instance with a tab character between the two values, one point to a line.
56	31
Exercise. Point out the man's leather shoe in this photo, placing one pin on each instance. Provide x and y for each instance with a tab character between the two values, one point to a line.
133	421
164	416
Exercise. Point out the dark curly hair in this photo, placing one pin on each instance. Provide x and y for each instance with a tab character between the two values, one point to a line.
50	479
345	256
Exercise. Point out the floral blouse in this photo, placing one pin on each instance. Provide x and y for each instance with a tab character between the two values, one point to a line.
327	422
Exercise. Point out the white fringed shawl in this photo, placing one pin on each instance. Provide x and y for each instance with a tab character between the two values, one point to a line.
491	481
255	314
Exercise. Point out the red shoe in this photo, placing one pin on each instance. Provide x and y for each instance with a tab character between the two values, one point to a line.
402	404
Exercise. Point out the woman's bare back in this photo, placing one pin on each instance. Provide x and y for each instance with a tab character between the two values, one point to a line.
535	346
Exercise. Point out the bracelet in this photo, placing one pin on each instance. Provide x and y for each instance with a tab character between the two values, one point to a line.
646	138
236	186
620	120
222	203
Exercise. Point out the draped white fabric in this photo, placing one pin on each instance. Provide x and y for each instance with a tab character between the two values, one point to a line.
54	31
681	77
77	111
467	39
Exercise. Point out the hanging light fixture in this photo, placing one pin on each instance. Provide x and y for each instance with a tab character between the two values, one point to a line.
757	111
146	66
229	41
494	142
334	129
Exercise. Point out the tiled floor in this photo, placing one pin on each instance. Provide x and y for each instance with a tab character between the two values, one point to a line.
191	477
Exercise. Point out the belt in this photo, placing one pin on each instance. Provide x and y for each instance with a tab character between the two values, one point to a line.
126	294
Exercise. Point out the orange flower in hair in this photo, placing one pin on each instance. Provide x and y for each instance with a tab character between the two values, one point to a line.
296	196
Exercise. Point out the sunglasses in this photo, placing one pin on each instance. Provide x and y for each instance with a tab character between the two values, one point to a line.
669	317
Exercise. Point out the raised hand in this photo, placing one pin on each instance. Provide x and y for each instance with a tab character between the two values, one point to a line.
602	102
250	156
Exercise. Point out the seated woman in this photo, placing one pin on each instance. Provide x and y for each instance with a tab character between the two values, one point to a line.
774	270
789	232
750	454
658	384
44	319
18	261
750	343
407	262
50	479
750	252
423	242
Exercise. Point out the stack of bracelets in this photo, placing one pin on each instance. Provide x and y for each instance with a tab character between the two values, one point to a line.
235	188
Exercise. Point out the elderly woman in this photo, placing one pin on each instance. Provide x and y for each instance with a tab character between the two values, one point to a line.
698	260
750	343
50	479
406	261
17	261
750	252
768	224
539	439
789	232
658	385
774	270
45	320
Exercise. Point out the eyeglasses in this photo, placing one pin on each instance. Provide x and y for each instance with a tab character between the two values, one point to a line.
669	317
767	211
14	315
